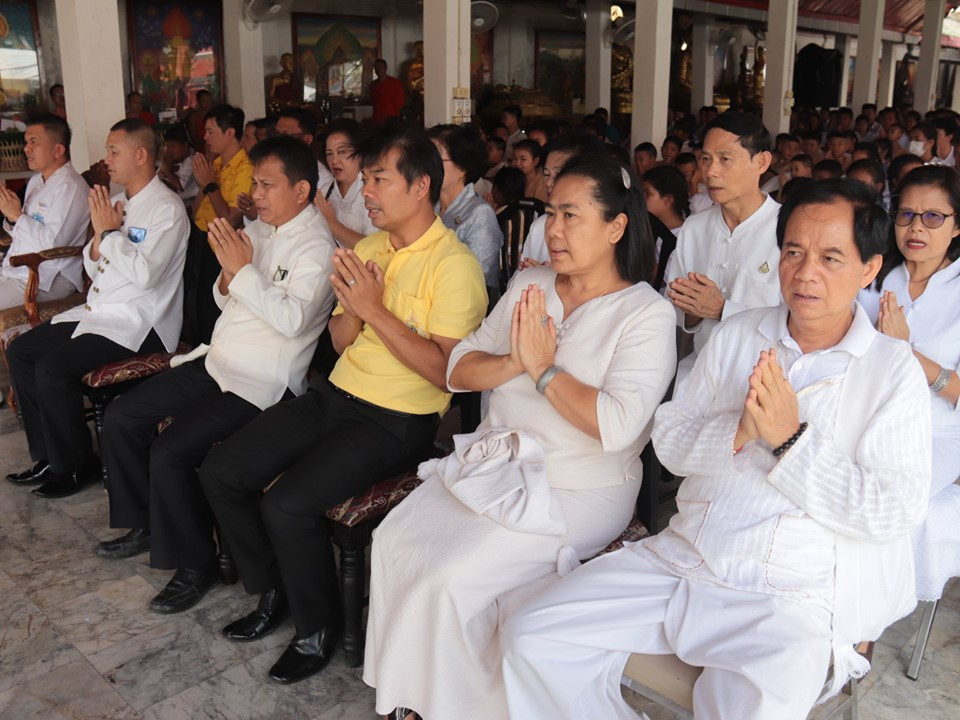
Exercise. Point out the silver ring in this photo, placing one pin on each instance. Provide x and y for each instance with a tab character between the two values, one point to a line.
544	320
351	282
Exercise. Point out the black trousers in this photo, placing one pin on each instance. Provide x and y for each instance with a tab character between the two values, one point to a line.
153	478
329	448
46	366
200	310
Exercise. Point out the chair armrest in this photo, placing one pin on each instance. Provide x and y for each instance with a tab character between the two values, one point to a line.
32	261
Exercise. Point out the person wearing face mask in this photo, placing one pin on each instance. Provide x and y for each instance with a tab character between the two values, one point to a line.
341	201
923	137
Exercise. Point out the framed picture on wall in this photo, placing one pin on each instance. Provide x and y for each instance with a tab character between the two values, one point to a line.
559	66
335	54
176	50
22	87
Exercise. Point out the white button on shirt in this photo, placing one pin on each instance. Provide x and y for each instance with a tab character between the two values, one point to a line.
138	281
55	214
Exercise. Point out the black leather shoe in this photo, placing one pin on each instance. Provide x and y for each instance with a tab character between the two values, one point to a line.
185	589
59	486
306	656
133	543
271	611
227	569
34	475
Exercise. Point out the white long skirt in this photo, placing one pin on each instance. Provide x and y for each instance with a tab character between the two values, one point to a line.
444	579
936	543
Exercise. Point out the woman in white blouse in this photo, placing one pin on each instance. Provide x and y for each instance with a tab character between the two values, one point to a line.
915	298
578	357
341	202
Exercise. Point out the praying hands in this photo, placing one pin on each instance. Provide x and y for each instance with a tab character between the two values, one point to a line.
890	318
770	411
533	334
697	295
10	205
358	287
233	249
203	171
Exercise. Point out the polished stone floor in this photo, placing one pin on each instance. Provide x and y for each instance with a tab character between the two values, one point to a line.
76	639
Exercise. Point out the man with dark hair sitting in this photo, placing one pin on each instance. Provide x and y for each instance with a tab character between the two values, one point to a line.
55	213
220	185
176	165
406	296
274	290
134	306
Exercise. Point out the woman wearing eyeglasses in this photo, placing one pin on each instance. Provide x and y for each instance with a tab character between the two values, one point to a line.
915	298
341	202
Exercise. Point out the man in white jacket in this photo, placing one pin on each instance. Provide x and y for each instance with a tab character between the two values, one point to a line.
805	440
54	213
275	295
134	306
726	256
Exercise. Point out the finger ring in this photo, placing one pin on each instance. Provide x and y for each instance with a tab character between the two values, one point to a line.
351	282
544	320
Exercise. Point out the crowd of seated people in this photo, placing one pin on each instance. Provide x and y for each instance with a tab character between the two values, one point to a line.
766	310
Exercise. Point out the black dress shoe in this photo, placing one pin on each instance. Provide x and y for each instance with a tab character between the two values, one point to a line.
64	485
227	569
306	656
33	475
271	611
133	543
185	589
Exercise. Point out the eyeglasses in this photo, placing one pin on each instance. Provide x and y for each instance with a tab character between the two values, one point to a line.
930	218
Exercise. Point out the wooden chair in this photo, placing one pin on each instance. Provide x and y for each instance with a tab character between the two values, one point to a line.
515	221
17	320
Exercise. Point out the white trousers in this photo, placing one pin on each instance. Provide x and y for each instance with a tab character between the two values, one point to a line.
564	652
11	291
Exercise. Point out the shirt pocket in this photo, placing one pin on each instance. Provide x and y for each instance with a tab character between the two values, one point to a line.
800	556
687	524
412	311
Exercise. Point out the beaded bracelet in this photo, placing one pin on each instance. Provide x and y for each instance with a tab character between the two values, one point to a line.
777	452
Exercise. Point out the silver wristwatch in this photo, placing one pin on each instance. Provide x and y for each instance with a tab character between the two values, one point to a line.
941	382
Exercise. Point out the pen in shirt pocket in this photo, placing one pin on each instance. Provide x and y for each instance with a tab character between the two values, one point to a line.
329	190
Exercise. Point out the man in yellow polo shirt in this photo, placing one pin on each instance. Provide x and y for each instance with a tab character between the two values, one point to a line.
221	183
406	297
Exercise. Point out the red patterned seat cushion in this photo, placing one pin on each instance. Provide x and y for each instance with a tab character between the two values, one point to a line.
634	531
376	502
132	368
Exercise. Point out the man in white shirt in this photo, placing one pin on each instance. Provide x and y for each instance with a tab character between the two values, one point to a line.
946	130
726	256
275	293
176	165
792	540
510	117
134	306
54	214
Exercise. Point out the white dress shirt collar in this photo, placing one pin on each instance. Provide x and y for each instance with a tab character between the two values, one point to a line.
856	342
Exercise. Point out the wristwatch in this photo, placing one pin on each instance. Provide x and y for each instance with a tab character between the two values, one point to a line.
106	232
210	187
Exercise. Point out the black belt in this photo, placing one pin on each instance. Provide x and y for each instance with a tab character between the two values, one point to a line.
388	411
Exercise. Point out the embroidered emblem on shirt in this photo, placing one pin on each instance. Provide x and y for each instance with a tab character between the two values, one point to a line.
764	268
136	235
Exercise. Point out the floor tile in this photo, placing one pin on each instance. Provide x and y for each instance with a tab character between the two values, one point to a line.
75	691
163	661
114	613
30	645
932	697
